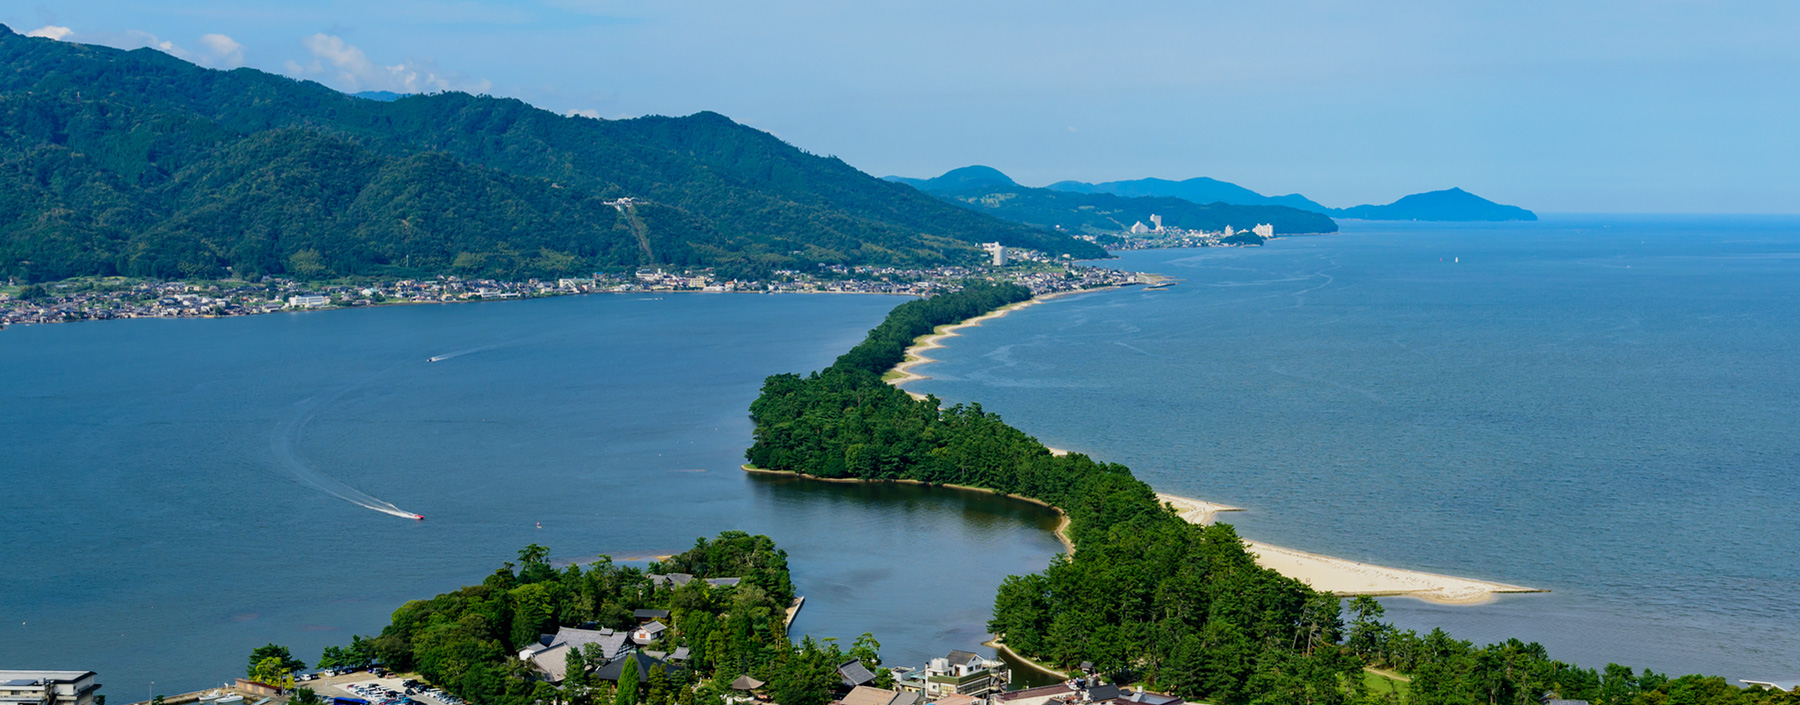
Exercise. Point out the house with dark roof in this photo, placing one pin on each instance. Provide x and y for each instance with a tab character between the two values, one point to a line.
1038	695
680	579
854	673
48	687
615	668
550	656
650	615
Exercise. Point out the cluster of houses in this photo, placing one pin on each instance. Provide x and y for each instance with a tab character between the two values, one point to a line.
964	678
550	656
957	678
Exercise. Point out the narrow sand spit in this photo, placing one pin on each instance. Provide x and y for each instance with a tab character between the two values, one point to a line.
915	354
1323	573
1346	577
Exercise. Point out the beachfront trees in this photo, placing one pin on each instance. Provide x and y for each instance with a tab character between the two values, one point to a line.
359	654
272	664
1143	590
1147	595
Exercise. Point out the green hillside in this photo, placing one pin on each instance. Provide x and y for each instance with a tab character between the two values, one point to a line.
138	163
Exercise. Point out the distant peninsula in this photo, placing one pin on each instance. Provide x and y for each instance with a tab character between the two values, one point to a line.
1452	204
987	190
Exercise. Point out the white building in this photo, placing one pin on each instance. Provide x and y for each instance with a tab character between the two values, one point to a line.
1156	222
47	687
308	301
1139	228
960	673
1264	230
1227	231
997	250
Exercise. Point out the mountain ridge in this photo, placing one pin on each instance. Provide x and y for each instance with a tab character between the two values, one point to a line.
988	190
105	148
1453	204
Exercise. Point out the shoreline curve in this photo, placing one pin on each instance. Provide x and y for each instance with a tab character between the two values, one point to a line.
1338	576
915	353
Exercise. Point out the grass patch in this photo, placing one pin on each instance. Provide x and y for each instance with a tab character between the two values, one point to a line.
1380	684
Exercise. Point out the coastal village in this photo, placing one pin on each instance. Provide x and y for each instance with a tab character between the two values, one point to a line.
117	297
97	298
607	656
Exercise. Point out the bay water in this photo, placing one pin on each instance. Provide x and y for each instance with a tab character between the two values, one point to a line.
179	492
1605	407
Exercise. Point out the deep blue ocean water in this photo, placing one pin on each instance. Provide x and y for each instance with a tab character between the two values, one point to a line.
1602	406
179	491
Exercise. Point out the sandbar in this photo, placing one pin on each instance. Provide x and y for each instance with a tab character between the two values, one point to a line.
915	353
1346	577
1323	573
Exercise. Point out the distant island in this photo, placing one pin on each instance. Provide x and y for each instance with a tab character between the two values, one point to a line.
986	190
1452	204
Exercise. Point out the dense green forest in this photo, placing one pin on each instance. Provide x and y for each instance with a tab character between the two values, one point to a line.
467	641
1147	596
986	190
138	163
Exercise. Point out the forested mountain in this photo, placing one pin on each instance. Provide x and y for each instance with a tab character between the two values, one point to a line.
986	190
138	163
1449	205
967	177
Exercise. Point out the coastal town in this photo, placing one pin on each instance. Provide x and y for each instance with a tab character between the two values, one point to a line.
957	678
103	298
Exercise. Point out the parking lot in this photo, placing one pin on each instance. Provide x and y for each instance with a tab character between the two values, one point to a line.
381	691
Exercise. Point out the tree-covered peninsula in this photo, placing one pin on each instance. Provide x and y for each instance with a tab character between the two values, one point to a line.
1147	596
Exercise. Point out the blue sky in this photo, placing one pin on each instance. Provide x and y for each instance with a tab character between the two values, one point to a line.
1646	106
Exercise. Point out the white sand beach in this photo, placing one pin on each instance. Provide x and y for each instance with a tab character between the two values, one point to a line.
1346	577
915	354
1324	573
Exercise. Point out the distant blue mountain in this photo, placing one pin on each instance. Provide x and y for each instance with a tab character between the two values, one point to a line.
986	190
962	179
1198	190
383	96
1448	205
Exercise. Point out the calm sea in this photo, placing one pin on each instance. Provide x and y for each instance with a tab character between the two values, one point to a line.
181	491
1604	407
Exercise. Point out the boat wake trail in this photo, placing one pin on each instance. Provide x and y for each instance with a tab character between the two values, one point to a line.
470	351
282	445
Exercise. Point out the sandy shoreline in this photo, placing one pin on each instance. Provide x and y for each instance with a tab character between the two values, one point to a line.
1346	577
1324	573
915	353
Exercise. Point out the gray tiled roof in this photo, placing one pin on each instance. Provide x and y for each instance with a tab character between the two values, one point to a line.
855	674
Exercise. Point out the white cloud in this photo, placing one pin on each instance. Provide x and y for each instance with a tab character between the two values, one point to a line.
51	31
220	52
141	38
226	52
586	113
355	72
